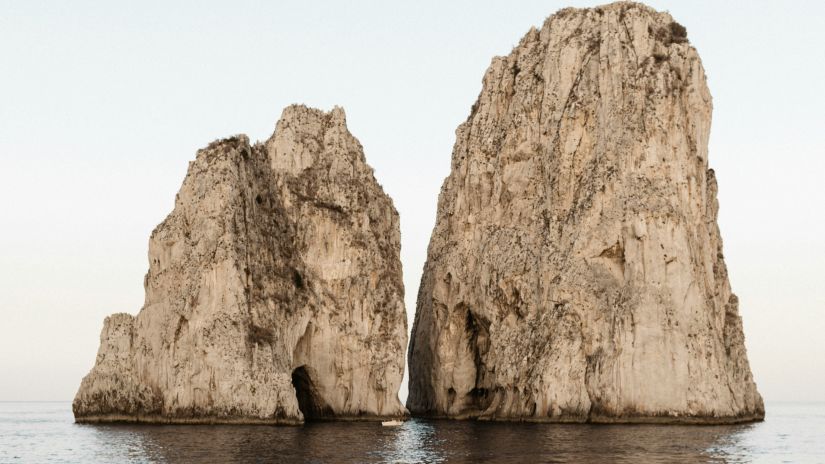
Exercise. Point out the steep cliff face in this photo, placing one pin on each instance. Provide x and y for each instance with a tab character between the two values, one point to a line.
575	272
274	292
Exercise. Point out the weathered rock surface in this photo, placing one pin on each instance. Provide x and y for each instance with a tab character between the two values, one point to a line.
274	291
575	272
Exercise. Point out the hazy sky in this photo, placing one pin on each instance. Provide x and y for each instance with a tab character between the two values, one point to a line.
103	105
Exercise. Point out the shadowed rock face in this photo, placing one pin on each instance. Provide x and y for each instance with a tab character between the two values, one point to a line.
274	291
575	272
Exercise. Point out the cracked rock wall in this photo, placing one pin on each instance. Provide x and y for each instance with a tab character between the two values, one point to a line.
575	272
274	291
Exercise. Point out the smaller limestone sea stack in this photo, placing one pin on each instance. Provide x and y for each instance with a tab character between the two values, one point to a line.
575	272
274	292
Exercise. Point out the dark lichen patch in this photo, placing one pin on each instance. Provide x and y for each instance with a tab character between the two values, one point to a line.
615	252
330	206
260	335
297	279
678	33
183	323
565	12
670	34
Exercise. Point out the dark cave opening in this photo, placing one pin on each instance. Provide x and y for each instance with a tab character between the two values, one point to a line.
479	343
310	402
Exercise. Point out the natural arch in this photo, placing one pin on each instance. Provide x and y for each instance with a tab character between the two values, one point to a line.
310	402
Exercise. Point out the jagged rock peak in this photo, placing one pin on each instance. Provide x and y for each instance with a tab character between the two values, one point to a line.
274	291
575	271
309	130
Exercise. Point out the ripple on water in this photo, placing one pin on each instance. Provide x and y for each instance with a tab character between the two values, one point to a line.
45	432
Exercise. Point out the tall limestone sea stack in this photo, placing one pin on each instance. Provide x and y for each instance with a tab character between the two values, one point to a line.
274	291
575	272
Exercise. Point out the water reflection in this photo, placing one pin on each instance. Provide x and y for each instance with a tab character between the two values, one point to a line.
44	432
421	441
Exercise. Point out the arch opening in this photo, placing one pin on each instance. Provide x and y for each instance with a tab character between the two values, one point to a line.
310	402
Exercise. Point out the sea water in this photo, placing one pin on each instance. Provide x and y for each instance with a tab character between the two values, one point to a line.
46	432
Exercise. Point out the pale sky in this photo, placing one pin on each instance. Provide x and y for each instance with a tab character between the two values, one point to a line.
102	104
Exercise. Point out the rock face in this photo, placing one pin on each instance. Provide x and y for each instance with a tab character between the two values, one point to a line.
274	291
575	272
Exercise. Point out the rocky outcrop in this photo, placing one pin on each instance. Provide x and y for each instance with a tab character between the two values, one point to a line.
575	272
274	291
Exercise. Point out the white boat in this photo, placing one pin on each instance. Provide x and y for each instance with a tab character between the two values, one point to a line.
392	423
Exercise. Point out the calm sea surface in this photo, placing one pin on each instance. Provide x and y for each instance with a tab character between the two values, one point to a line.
45	432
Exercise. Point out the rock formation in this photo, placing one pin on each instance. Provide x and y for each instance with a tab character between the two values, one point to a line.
274	291
575	272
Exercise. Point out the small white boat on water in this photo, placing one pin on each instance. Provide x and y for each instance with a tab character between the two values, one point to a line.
392	423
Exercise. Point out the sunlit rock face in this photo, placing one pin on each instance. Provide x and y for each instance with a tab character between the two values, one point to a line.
575	272
274	292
